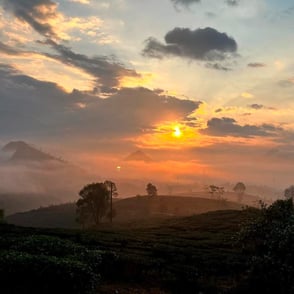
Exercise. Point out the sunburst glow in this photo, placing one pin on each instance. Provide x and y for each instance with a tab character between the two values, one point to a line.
177	132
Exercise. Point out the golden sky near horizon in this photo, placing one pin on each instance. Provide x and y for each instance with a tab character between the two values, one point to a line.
204	79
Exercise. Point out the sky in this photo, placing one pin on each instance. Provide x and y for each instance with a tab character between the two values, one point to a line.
204	88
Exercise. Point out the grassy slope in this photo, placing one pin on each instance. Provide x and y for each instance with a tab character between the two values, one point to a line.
195	252
127	210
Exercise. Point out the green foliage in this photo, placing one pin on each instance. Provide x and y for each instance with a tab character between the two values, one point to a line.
270	241
151	190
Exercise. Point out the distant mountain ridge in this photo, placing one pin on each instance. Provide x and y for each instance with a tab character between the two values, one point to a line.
138	155
23	152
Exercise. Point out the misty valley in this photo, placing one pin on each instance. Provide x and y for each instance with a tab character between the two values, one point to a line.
64	231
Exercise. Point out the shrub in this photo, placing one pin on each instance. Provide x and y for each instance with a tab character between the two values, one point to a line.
44	264
270	241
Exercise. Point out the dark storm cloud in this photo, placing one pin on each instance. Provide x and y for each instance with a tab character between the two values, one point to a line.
229	127
35	12
256	64
201	44
29	107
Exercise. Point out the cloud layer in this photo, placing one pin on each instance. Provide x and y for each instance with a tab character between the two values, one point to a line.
42	16
206	44
29	107
225	126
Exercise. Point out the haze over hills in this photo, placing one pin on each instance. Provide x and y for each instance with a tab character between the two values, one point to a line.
31	178
135	209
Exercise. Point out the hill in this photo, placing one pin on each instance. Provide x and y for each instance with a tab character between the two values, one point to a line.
138	155
180	255
23	152
135	209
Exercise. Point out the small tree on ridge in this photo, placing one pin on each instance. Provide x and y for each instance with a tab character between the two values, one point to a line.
151	190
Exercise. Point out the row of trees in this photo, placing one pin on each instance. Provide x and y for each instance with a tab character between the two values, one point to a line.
218	191
96	202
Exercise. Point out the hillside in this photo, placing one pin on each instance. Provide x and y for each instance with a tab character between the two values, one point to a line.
140	208
180	255
14	202
23	152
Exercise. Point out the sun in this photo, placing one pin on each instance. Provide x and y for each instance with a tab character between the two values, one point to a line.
177	132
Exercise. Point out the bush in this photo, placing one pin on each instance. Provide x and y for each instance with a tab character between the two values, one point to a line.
44	264
270	241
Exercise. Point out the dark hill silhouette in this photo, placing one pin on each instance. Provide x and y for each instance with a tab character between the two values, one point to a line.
138	155
23	152
135	210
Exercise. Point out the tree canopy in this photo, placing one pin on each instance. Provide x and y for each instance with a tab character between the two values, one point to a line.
151	190
240	188
93	204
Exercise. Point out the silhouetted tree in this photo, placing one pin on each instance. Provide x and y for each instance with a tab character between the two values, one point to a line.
93	204
289	192
240	189
151	190
216	190
112	192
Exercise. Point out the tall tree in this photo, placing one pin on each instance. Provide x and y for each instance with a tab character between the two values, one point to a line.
93	204
112	189
151	190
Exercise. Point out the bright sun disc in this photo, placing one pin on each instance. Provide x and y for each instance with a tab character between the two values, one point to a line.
177	132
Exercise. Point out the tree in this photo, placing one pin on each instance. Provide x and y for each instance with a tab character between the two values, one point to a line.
212	189
151	190
267	240
289	192
93	204
112	192
240	189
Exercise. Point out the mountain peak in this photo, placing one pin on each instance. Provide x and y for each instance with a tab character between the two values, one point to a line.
24	152
138	155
